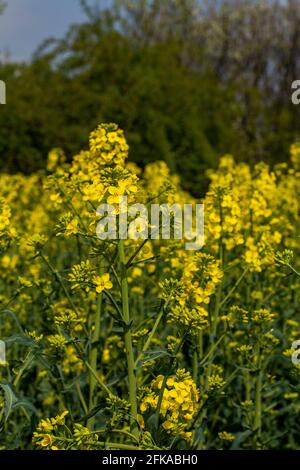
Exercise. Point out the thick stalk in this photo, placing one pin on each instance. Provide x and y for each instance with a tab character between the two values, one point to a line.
127	337
94	356
247	382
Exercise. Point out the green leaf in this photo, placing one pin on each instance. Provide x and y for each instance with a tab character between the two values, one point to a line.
10	399
25	404
20	339
240	438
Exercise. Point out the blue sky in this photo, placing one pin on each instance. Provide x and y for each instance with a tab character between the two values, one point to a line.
26	23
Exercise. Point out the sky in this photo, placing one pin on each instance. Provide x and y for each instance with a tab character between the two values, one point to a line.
26	23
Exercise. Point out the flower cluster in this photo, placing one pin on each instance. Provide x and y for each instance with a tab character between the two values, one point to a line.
44	436
147	344
179	402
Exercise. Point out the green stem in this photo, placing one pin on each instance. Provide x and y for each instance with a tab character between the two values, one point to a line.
117	446
247	385
215	315
195	365
98	380
81	398
128	339
139	248
114	303
116	431
94	357
293	269
200	353
258	414
105	444
152	333
59	279
201	345
28	359
164	383
233	288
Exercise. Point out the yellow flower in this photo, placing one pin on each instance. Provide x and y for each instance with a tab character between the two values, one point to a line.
179	403
45	425
55	157
56	198
72	227
56	342
108	145
102	282
168	425
115	194
46	441
59	420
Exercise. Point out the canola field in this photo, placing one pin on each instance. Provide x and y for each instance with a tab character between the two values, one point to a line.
142	344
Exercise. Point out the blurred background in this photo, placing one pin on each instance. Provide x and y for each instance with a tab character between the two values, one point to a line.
188	80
